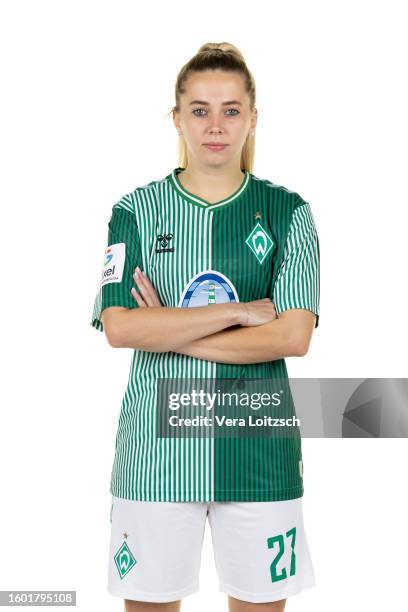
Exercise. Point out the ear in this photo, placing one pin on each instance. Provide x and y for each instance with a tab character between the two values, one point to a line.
254	118
175	119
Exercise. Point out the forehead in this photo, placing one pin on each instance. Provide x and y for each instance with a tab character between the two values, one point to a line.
215	86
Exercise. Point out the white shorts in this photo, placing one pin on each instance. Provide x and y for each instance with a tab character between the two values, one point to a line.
260	549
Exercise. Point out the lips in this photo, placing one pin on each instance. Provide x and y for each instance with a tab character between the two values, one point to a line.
215	146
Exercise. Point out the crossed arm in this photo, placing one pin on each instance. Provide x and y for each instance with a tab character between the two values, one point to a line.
287	336
205	332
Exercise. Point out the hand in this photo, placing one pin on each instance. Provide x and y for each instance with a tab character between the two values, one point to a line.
257	312
148	295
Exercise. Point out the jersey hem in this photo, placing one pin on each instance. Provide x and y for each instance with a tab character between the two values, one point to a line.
247	495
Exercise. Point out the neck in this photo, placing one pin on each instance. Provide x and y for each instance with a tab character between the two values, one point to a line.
211	184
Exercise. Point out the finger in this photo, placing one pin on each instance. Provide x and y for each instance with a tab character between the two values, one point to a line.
138	298
149	286
152	291
144	289
149	291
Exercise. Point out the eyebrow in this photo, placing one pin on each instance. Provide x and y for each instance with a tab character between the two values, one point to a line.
204	103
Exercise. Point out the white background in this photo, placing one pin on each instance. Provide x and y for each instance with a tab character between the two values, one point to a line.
86	87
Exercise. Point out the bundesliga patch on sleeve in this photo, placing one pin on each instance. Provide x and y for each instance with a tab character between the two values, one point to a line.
113	264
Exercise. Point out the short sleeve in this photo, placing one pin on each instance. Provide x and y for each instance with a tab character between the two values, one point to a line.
298	282
122	255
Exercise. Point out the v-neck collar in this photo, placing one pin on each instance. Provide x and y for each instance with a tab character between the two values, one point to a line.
194	199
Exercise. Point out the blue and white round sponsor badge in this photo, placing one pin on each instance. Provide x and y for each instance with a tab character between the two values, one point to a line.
208	287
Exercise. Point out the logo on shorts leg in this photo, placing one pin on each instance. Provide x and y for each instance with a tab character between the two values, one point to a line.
124	560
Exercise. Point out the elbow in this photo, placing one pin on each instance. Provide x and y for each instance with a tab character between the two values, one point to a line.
114	343
302	347
301	351
116	339
298	344
112	326
118	335
113	338
294	345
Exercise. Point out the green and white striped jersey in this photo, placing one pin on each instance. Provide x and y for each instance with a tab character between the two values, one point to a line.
259	242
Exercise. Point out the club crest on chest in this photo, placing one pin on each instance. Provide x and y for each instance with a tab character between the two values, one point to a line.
259	241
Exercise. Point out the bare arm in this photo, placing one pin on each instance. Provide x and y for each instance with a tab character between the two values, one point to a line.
160	329
200	331
287	336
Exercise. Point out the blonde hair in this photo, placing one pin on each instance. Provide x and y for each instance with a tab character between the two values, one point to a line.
211	56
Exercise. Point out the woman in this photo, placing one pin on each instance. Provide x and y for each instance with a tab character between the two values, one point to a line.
192	264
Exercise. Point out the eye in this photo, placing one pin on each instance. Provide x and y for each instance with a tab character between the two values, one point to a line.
196	110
